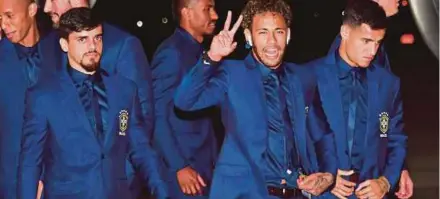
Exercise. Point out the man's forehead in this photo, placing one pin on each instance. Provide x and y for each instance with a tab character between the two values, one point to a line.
13	5
272	19
88	33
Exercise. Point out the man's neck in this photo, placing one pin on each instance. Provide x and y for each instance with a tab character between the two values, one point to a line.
198	37
32	37
79	68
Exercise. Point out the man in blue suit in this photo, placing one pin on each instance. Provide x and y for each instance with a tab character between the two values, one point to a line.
263	109
82	124
362	103
186	140
123	55
391	8
25	53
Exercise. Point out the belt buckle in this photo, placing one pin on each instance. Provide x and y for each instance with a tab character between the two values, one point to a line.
284	191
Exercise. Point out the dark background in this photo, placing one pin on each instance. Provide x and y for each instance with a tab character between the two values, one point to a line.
315	25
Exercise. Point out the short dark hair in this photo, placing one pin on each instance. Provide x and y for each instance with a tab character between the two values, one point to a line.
77	20
368	12
254	7
176	7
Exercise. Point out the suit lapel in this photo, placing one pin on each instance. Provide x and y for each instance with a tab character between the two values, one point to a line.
70	99
330	92
373	117
296	108
112	100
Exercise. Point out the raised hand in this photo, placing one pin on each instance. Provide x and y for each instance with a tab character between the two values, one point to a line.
223	43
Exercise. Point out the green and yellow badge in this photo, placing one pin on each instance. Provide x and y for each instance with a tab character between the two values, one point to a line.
123	122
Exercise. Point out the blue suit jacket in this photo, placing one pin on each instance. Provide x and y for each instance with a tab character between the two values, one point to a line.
123	55
57	134
183	139
384	153
13	85
237	87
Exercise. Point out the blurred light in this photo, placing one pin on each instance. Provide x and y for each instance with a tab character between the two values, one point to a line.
404	3
139	24
407	39
164	20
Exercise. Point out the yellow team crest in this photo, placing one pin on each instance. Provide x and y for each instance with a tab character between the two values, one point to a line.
384	120
123	122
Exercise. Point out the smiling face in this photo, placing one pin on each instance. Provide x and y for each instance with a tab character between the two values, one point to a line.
268	36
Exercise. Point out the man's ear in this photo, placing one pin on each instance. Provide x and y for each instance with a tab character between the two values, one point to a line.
345	31
32	9
248	36
64	45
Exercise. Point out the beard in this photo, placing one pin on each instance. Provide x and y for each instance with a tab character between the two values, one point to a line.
270	63
90	64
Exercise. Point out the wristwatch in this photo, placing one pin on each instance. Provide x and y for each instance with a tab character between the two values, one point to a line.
207	60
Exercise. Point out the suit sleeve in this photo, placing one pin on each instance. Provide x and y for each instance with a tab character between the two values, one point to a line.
32	147
204	86
166	78
322	136
142	155
133	64
397	140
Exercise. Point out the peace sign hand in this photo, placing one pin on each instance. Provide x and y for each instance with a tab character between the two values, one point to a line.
223	43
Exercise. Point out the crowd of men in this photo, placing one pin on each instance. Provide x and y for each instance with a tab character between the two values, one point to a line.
85	115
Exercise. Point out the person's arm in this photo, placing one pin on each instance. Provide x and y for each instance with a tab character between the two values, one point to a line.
142	155
32	147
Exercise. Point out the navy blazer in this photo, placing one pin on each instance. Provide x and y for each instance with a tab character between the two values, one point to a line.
183	138
237	87
123	55
57	134
13	85
385	140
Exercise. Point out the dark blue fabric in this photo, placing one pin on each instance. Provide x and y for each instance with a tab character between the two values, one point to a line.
93	97
354	89
30	54
280	147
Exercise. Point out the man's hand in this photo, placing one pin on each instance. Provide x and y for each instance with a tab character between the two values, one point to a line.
405	186
40	189
373	189
343	188
223	44
190	181
315	183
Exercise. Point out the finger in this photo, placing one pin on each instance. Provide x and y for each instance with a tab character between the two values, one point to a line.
193	189
346	183
363	185
345	190
364	192
236	26
234	45
345	173
185	189
201	181
198	188
337	194
226	38
228	21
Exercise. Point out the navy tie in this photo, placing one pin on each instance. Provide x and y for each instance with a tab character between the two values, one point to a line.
275	125
94	99
32	70
355	83
271	88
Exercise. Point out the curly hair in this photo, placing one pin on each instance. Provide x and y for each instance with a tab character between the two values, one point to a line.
255	7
